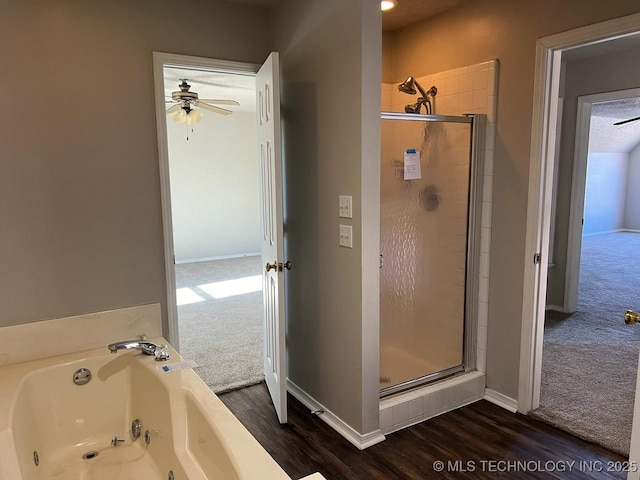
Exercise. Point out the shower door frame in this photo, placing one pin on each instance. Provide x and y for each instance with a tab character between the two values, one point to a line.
472	274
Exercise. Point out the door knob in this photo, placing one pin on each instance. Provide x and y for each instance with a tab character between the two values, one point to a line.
270	266
631	317
279	266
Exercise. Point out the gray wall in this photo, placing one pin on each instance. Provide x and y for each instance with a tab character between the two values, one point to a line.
215	204
332	335
606	192
599	74
632	212
478	31
79	182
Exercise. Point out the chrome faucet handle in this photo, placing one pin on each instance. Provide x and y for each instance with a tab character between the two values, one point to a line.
116	441
161	353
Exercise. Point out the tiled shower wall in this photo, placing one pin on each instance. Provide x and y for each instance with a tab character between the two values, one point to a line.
470	89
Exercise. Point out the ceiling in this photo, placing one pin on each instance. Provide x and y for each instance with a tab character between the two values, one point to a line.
261	3
214	85
410	11
602	48
405	13
604	137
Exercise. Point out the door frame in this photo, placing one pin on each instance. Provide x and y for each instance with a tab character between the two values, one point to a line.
578	189
543	139
161	60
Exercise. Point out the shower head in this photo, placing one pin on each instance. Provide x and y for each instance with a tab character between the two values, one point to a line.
415	107
409	87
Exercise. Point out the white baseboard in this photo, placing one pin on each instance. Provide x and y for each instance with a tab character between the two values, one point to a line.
358	440
501	400
631	230
219	257
605	232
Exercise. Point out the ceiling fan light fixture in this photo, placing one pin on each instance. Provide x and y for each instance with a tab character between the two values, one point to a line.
193	117
179	116
388	4
190	117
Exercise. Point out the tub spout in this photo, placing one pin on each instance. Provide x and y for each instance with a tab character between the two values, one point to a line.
161	352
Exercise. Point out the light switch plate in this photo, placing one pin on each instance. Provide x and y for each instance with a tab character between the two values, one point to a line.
346	236
344	206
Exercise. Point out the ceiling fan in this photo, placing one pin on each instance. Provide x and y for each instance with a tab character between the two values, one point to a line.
627	121
185	101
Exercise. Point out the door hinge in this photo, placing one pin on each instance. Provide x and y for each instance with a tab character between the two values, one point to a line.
174	259
381	260
536	258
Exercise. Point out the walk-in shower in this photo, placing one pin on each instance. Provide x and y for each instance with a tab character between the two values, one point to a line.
430	234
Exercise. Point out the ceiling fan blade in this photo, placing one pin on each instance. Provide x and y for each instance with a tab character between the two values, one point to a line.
175	108
219	102
627	121
211	108
202	81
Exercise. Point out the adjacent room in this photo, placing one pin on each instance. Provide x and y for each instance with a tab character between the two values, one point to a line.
213	165
590	356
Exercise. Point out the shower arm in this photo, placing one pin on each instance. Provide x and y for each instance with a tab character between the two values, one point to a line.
420	89
432	91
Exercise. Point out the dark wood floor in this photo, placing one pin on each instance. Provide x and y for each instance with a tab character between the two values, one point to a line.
481	432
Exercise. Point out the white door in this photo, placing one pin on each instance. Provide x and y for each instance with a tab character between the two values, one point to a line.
268	108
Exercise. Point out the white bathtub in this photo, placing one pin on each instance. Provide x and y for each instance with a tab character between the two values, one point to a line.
192	433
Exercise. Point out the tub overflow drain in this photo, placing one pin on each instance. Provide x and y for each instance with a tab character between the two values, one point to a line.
89	455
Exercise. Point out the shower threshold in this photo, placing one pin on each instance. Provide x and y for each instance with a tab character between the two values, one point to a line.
421	381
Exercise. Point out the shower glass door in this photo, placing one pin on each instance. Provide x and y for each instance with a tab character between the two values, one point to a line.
424	245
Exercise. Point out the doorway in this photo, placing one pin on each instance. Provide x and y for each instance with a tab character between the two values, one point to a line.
590	356
269	164
604	37
214	200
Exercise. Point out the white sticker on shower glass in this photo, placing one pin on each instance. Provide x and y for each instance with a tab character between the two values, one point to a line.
412	165
176	366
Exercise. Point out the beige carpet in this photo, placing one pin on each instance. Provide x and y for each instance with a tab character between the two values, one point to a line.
590	358
223	335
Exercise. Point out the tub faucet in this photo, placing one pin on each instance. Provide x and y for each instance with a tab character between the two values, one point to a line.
161	352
